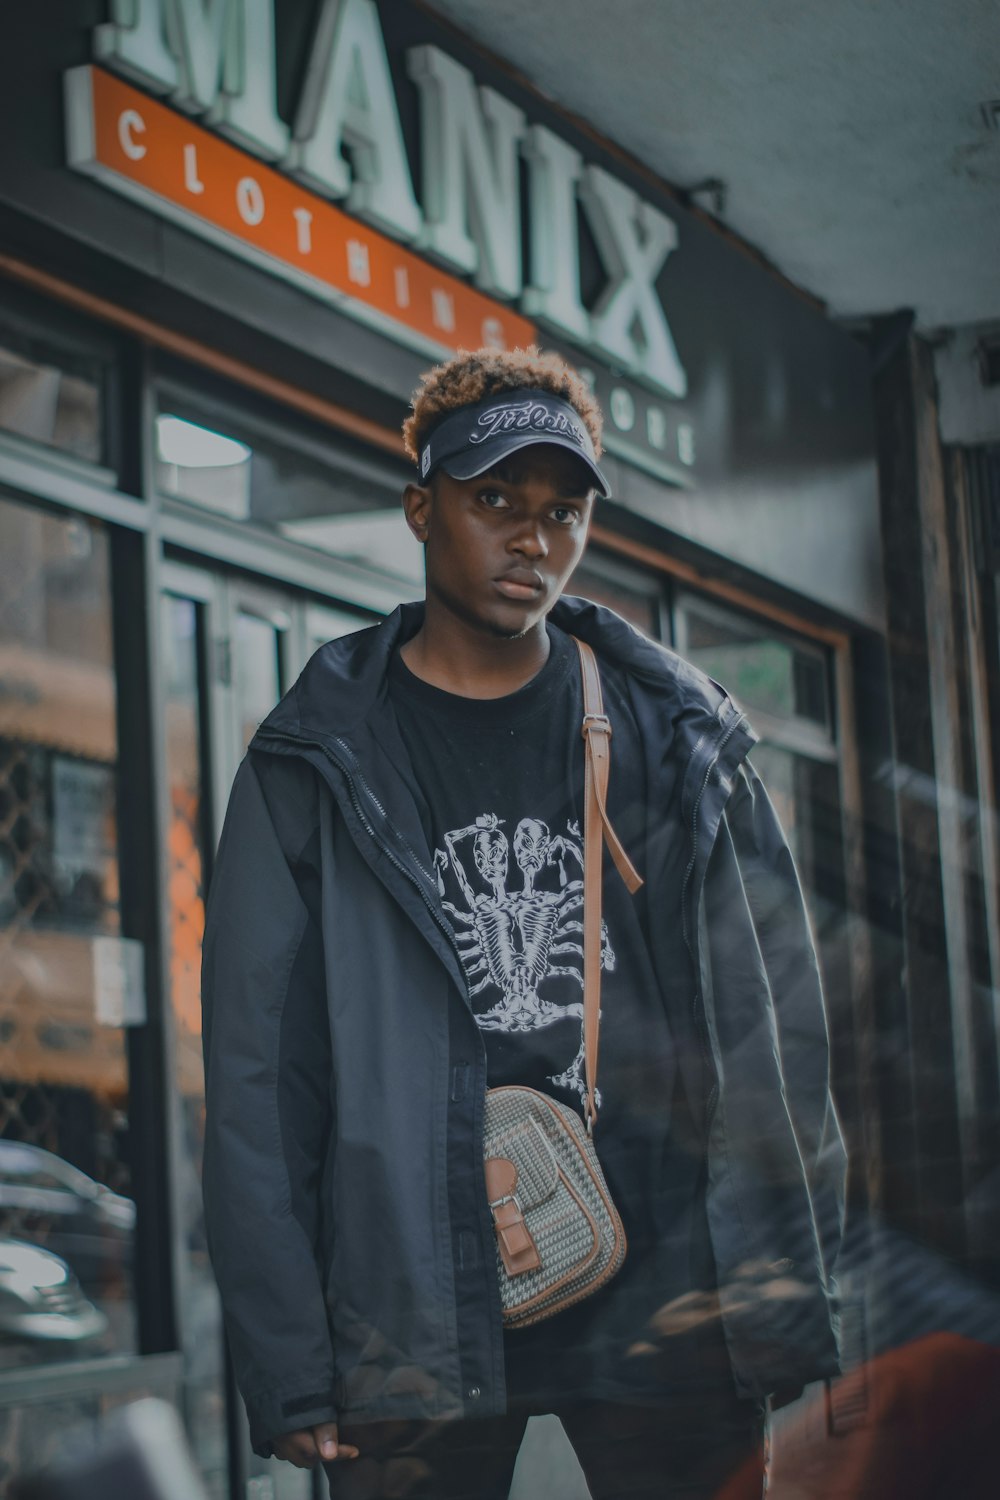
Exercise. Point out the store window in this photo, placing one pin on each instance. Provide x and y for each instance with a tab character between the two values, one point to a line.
633	593
783	682
781	677
261	468
68	982
50	395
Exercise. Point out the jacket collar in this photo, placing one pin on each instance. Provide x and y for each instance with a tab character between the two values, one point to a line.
340	702
345	680
342	695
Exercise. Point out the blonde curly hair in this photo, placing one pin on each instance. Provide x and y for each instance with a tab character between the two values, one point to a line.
473	374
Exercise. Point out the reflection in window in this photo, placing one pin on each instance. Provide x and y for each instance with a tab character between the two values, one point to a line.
306	486
197	464
49	404
66	1217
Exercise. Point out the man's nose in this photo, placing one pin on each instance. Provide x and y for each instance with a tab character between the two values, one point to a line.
528	539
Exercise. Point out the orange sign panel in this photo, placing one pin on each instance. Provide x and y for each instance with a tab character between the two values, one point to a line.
142	148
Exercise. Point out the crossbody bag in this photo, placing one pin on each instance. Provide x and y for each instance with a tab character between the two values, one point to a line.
559	1235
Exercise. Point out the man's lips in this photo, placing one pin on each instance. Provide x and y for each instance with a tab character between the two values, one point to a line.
520	584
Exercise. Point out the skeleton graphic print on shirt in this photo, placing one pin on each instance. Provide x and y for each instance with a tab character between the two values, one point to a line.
517	931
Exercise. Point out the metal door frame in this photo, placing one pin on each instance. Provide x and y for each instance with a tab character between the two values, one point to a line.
301	622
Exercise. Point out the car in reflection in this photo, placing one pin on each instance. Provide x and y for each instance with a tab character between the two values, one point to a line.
47	1200
41	1298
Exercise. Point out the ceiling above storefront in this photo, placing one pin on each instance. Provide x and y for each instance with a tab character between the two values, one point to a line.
858	143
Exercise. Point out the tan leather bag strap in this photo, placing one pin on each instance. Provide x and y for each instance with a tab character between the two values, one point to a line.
597	831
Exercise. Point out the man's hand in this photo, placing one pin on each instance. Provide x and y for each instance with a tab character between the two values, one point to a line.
310	1445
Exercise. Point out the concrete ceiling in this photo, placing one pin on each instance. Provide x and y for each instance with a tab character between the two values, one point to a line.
849	133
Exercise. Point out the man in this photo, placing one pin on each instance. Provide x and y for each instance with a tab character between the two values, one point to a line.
417	793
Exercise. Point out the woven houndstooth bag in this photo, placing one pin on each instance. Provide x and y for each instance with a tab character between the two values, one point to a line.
559	1235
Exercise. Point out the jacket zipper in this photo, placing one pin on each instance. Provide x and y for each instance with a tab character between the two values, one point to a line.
358	773
369	828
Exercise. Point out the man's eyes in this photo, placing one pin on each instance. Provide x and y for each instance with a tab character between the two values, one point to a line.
563	515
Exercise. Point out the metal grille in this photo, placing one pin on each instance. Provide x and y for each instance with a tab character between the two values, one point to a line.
62	1077
27	1112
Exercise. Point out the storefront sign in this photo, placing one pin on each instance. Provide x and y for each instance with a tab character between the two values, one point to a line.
141	148
641	427
217	60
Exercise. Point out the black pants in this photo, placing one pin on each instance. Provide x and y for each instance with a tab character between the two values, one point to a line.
695	1446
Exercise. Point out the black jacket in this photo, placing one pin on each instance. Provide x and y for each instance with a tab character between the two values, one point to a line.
345	1074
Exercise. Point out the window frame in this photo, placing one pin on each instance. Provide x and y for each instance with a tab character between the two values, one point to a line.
801	735
66	339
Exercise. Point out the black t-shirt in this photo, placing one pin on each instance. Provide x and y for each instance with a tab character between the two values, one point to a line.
501	799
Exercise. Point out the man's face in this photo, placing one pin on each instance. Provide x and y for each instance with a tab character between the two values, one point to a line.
500	548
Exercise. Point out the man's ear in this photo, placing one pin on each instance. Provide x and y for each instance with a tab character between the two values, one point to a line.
417	509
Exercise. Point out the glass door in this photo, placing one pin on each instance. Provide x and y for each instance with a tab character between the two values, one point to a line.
229	649
70	983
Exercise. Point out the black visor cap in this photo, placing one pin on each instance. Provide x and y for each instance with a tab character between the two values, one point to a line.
477	438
